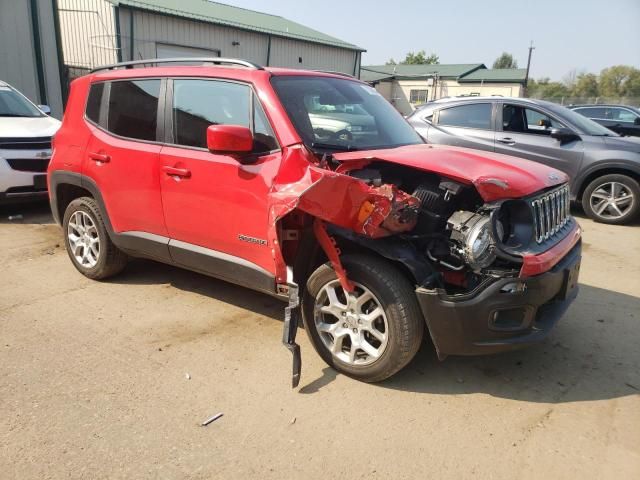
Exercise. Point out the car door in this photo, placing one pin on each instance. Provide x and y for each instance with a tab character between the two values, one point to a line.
623	121
524	131
215	205
468	125
122	156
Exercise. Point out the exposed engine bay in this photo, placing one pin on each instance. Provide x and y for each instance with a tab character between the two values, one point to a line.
445	222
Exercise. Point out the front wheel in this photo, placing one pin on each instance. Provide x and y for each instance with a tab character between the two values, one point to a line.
371	333
612	199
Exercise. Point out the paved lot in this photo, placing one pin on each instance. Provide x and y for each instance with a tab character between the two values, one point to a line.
93	381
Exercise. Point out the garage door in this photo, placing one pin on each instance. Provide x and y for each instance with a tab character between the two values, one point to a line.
164	50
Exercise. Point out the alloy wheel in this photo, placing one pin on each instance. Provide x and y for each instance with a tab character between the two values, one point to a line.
612	200
352	326
83	239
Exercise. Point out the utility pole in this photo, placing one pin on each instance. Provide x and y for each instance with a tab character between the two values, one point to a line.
526	77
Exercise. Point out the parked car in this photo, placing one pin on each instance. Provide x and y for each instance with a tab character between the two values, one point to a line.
25	145
604	168
622	119
219	169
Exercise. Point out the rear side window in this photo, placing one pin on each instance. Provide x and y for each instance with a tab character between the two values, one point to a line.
595	112
477	115
133	108
93	102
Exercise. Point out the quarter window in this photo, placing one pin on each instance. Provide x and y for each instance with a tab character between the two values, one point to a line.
133	108
477	115
93	102
418	96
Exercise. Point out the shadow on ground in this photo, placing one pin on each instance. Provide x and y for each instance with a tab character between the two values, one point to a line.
30	212
589	355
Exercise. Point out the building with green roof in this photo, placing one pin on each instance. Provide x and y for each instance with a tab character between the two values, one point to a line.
98	32
407	86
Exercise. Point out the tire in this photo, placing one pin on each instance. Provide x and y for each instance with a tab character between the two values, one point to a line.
627	192
100	258
401	319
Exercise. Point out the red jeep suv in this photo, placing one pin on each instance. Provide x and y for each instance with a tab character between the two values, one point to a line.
273	178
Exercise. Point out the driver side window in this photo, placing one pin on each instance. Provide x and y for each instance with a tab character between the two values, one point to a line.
520	119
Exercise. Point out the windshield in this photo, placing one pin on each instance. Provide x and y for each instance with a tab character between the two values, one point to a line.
13	104
584	124
341	114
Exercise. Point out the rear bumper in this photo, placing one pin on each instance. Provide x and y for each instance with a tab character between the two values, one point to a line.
504	314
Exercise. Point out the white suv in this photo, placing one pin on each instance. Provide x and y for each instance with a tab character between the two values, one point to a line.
25	145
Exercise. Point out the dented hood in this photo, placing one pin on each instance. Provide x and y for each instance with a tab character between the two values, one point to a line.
494	175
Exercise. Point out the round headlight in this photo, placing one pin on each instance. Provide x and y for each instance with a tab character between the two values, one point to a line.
479	245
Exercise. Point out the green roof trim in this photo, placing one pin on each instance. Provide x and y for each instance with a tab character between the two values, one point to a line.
227	15
503	75
402	72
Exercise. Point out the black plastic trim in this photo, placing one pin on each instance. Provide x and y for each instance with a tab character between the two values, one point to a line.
156	247
222	265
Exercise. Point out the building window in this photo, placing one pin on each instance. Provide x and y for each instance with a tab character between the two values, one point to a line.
418	96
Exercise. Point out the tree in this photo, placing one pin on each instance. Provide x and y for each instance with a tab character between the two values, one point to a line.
585	85
391	61
505	60
545	88
417	58
620	81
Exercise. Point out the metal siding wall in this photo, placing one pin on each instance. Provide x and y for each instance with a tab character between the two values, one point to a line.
50	58
286	53
17	52
150	28
17	56
88	32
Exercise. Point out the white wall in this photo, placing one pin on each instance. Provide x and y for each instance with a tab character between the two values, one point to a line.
398	92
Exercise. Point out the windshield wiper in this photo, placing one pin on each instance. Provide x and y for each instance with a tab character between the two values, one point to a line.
13	115
331	146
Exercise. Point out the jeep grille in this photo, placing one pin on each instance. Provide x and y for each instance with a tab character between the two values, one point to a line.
551	213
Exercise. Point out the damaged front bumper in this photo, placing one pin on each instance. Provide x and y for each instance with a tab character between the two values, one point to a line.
501	314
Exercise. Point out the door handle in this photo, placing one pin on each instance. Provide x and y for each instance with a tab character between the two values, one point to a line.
176	172
99	157
507	141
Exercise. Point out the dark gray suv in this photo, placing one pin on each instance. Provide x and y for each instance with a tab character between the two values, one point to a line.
604	168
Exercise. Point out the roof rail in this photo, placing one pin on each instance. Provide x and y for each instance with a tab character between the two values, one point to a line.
158	61
342	74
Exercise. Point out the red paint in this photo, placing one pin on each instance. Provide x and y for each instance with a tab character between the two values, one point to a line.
229	139
328	244
543	262
209	199
495	176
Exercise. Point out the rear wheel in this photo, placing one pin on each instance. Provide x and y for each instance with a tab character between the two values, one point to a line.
612	199
88	244
368	334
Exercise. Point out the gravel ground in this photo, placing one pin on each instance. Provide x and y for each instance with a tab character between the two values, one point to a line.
112	380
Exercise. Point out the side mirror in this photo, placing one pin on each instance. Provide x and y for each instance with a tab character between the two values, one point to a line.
562	134
45	109
230	139
636	121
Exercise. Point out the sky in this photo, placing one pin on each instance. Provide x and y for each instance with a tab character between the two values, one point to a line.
568	35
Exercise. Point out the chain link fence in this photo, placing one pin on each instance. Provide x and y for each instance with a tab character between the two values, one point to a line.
632	101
